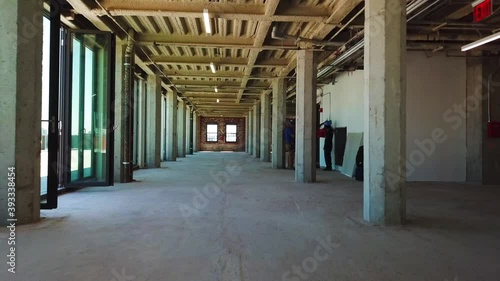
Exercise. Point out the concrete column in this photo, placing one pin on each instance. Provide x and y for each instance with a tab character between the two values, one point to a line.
305	130
265	127
163	155
250	132
474	124
246	133
195	131
181	129
118	110
153	149
278	120
141	129
20	107
189	145
385	112
171	125
256	131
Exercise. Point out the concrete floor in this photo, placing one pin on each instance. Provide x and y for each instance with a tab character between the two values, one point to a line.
261	226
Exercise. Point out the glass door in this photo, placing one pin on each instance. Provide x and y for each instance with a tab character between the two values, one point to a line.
45	121
49	182
88	118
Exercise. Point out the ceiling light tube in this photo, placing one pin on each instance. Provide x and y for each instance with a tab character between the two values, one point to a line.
216	90
212	67
217	100
480	42
206	20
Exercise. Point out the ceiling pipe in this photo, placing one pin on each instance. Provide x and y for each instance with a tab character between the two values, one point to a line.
423	10
345	53
415	5
347	23
442	37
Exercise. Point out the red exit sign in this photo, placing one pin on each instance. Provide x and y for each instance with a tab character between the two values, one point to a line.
482	9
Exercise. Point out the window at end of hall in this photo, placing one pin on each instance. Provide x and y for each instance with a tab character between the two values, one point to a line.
211	132
231	133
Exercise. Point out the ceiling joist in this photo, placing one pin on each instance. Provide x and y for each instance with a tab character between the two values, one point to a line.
228	11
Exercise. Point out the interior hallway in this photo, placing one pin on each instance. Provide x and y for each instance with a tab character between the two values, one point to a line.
258	227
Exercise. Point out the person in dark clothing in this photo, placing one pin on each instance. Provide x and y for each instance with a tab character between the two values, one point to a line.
328	146
290	144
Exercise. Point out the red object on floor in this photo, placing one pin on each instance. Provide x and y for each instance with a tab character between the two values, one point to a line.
494	129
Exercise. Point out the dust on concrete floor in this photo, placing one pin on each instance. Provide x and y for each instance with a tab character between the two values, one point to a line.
260	226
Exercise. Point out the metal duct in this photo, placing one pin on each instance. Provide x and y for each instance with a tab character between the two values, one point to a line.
358	46
127	107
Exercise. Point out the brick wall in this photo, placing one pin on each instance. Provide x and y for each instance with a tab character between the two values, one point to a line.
221	144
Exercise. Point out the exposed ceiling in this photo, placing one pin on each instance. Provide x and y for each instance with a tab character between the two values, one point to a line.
170	37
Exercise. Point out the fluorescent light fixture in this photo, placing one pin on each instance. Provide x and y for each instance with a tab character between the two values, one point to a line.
480	42
216	90
212	67
217	100
206	20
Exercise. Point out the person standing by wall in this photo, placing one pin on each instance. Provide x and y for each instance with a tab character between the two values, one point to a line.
290	144
328	146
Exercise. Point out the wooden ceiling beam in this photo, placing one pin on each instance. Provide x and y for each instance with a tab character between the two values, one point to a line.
210	94
218	84
219	74
203	40
196	60
228	11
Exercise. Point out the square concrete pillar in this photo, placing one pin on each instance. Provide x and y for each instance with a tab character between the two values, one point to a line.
250	132
181	129
195	131
385	112
153	143
474	122
278	123
189	145
171	125
20	108
246	134
305	127
265	127
141	128
118	111
256	130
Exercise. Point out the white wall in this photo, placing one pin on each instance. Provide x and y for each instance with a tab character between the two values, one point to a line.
343	101
434	86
